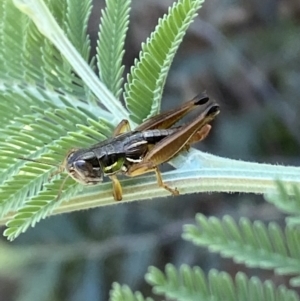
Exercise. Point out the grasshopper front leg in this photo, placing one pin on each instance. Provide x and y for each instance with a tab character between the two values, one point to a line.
117	188
121	128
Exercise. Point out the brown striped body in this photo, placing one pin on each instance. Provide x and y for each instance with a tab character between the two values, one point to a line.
137	152
114	155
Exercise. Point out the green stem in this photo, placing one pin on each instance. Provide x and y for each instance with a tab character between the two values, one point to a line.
223	175
198	172
47	25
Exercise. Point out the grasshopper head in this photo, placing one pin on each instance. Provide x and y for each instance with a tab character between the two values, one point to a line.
84	167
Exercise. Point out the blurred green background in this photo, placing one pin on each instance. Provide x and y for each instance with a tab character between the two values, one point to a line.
245	54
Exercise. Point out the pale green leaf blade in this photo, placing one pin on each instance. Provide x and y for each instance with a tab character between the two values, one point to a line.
27	56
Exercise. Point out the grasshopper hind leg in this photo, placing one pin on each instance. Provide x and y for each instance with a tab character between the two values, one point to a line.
161	183
146	167
121	128
198	136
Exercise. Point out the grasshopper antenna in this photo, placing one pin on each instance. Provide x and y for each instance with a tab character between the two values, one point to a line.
59	170
61	188
37	161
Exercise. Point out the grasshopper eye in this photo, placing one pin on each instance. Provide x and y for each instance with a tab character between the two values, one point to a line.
202	100
82	166
214	110
86	172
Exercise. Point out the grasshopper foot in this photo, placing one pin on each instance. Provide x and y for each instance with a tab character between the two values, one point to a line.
173	191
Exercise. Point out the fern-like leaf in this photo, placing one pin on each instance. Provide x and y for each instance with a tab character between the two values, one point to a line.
29	191
191	284
42	118
68	57
78	13
11	37
110	49
124	293
44	128
42	131
21	107
286	202
26	55
253	244
145	83
40	207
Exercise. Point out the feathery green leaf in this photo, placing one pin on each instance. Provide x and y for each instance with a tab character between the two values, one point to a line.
29	190
27	110
145	83
40	207
42	118
286	202
78	13
124	293
253	244
191	284
110	46
26	55
11	41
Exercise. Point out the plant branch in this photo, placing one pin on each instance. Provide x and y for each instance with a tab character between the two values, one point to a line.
201	172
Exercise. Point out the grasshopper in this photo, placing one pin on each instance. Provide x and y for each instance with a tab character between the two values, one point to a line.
142	150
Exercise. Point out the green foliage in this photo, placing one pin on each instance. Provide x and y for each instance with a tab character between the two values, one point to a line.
189	283
286	202
42	119
122	293
47	109
12	42
77	16
115	19
252	244
147	77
